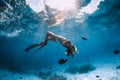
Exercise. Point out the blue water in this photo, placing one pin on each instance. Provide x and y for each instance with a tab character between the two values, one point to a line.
102	29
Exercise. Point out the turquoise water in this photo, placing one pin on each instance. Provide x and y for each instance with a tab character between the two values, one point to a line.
96	54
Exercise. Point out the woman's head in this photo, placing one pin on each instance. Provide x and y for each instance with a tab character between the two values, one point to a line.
70	50
67	43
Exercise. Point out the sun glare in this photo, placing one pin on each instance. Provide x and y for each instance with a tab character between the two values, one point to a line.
62	4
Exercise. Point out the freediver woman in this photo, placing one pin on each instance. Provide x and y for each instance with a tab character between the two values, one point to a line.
71	49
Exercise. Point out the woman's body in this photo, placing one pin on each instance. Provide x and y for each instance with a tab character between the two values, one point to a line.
51	36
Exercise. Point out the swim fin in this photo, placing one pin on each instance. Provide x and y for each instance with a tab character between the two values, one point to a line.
41	46
31	46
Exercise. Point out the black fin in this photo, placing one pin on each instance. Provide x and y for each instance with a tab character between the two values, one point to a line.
31	46
42	45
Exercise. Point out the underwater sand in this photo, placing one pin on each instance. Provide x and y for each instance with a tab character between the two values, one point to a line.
102	72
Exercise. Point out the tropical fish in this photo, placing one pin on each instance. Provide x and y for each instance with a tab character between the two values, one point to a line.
62	61
116	51
84	38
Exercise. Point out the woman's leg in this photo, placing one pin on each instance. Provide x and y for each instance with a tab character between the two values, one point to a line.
49	36
31	47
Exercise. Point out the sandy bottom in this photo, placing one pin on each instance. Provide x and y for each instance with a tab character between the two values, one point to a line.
102	72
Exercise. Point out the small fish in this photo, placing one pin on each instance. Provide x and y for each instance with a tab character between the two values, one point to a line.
62	61
20	77
84	38
116	51
118	67
97	76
